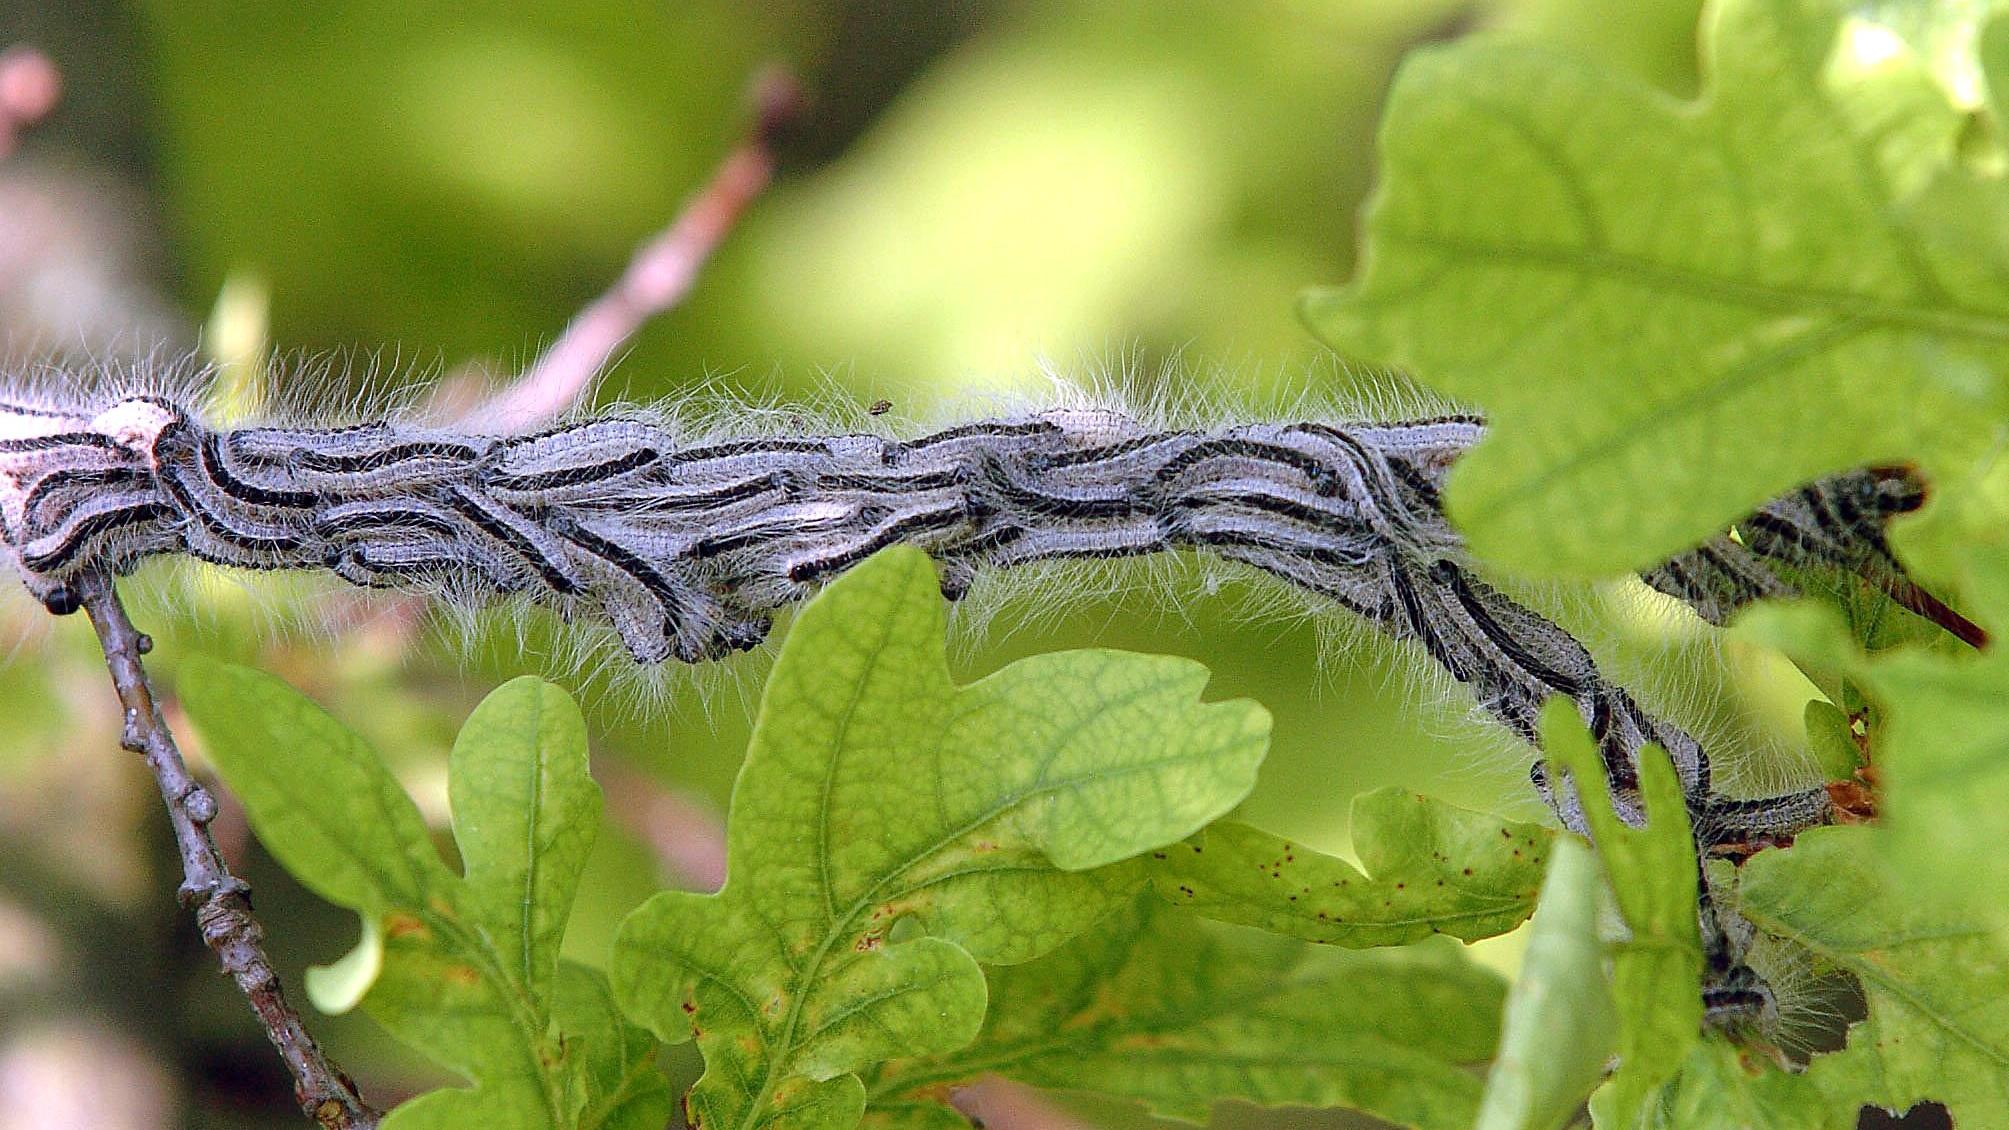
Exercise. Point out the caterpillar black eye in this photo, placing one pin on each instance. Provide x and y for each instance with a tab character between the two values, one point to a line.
1899	492
62	600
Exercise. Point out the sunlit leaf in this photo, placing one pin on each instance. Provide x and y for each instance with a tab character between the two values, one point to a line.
1941	747
999	819
465	966
1937	981
1155	1006
1718	1086
1656	979
1431	869
1559	1026
1671	311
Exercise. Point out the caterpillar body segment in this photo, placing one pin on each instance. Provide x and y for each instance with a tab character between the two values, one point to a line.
686	546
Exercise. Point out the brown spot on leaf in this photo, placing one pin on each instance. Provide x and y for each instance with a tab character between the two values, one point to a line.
398	924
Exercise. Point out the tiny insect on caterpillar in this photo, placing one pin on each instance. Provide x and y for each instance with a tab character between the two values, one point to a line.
685	540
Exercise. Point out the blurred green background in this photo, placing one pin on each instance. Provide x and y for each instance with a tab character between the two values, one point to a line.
983	190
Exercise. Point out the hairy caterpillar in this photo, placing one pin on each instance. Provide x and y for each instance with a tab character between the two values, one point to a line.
685	542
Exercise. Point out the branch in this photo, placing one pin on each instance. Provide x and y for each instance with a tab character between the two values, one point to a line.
688	839
657	279
1002	1104
1908	595
221	901
30	85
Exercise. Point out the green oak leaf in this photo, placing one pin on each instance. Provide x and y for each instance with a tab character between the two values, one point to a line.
1945	34
1942	754
1936	980
1720	1086
1671	311
1831	740
1431	869
616	1073
1940	742
1993	49
999	819
1656	978
1559	1024
1155	1006
463	967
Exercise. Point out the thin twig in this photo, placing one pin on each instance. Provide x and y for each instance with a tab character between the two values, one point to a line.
221	901
658	277
687	837
30	86
1909	595
1002	1104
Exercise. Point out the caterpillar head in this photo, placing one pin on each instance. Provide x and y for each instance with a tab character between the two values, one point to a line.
1738	1002
77	486
136	422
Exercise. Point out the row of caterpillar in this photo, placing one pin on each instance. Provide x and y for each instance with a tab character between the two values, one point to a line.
687	546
